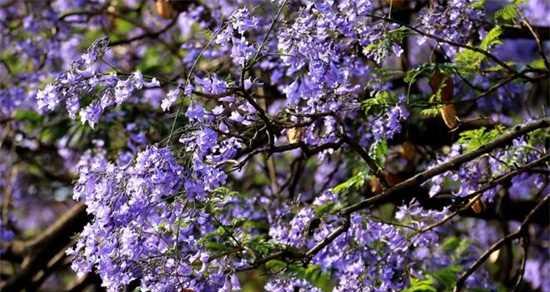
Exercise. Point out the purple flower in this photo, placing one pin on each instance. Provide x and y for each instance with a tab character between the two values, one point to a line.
170	99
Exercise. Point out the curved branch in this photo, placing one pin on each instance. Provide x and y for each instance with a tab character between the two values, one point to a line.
400	190
44	247
520	232
475	195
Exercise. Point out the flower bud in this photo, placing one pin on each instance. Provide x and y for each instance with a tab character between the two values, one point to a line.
448	114
478	206
443	84
164	8
294	135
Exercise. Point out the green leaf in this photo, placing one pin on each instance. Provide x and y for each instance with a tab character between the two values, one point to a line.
314	275
492	38
354	182
378	103
123	26
417	285
413	74
473	139
51	134
479	4
261	246
430	112
378	151
537	64
450	244
445	278
462	247
150	62
440	280
382	47
276	265
215	246
325	209
154	61
28	116
117	136
538	137
509	13
469	61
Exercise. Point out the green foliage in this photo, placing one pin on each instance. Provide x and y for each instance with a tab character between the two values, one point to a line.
538	64
327	208
451	244
314	275
538	137
445	278
261	246
123	26
154	61
378	103
276	266
417	285
440	280
473	139
211	239
118	139
455	247
353	183
469	61
378	151
509	13
28	116
225	192
414	74
492	38
391	37
311	273
14	63
381	47
430	112
436	96
151	62
479	4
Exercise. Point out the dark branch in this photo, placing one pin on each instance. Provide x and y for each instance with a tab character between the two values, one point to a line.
400	190
43	248
520	232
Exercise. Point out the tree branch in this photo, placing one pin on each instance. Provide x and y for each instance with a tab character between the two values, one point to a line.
475	195
523	228
39	252
399	191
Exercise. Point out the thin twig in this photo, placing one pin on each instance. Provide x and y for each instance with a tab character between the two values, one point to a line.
521	271
540	45
477	194
520	232
398	191
449	42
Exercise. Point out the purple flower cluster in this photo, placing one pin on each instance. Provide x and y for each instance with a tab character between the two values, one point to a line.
458	22
84	78
264	113
477	173
144	227
390	124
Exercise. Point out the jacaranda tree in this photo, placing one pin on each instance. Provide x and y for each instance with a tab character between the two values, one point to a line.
282	145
